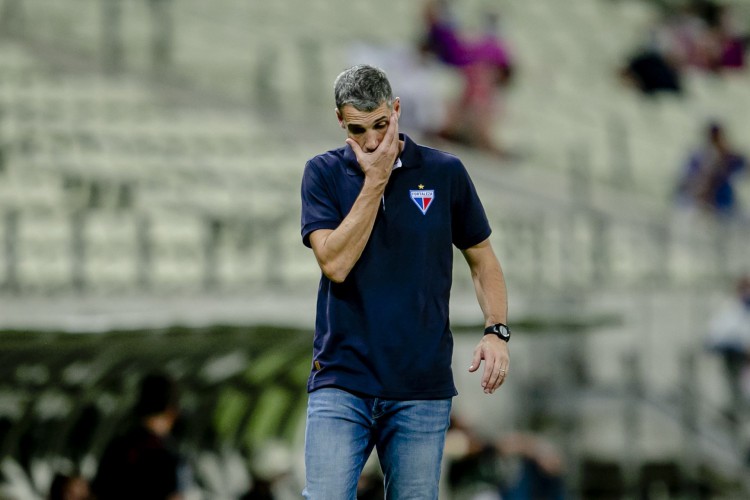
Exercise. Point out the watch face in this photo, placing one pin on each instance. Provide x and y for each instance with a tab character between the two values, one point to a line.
500	330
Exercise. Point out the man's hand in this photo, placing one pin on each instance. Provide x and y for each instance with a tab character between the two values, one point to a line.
494	352
378	164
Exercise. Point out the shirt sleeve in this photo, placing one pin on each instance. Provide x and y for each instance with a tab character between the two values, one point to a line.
319	208
469	223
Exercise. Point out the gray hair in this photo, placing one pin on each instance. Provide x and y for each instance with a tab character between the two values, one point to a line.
364	87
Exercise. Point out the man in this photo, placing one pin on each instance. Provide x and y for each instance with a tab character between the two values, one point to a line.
143	462
382	215
707	181
729	336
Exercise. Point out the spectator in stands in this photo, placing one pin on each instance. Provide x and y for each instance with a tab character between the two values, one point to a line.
717	42
731	41
486	68
697	36
370	485
383	215
652	73
656	66
515	466
729	336
687	34
143	462
69	487
707	179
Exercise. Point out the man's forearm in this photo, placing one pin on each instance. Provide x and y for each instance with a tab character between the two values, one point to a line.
339	250
489	283
492	295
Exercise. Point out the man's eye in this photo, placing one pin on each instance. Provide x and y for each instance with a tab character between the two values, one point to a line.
380	126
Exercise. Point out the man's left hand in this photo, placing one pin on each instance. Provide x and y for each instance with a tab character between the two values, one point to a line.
496	356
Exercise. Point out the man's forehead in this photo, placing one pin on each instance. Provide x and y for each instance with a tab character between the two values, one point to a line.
350	114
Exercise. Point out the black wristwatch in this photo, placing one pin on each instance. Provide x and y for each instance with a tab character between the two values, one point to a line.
500	330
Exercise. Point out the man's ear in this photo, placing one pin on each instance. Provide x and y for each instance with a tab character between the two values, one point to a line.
340	118
397	106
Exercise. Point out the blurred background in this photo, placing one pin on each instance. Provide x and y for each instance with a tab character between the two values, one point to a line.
151	153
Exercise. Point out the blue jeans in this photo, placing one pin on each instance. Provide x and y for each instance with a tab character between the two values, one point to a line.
342	429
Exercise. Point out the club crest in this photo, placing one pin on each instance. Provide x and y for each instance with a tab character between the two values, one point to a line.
423	198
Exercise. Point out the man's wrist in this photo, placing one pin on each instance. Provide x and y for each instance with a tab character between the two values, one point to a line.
375	184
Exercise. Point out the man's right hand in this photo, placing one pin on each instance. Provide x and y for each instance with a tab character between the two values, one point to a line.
378	164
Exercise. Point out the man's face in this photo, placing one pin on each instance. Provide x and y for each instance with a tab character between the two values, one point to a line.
367	128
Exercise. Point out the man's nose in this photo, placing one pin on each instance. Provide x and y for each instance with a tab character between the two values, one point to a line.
371	141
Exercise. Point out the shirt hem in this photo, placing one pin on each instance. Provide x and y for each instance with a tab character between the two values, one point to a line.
442	394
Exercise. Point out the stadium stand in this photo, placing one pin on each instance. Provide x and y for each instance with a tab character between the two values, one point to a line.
144	190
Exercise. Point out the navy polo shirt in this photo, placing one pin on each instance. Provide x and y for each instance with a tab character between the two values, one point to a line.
384	331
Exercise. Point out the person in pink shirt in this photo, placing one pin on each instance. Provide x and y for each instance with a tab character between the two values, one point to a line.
486	66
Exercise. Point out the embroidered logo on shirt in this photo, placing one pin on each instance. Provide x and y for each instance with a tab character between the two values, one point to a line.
422	198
